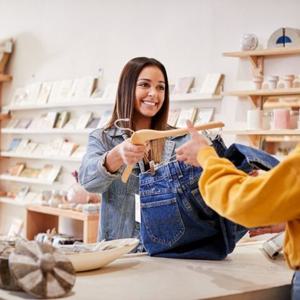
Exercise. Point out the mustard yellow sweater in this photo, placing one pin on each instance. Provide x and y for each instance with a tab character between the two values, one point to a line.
270	198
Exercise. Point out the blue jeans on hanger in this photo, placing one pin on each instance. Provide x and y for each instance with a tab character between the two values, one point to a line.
176	222
296	286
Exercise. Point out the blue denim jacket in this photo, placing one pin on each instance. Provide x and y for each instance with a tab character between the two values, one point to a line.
118	201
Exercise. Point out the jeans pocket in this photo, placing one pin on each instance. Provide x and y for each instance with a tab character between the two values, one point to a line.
162	221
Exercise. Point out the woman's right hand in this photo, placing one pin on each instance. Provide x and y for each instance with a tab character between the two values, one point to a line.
130	153
124	153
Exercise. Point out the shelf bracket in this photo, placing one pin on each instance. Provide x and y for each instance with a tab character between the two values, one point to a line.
255	140
257	101
257	63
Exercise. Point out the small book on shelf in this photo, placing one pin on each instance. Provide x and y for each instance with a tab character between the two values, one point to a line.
183	85
212	84
93	123
173	116
54	146
44	93
79	152
29	148
49	172
23	123
186	114
83	120
50	119
14	144
104	119
83	88
22	145
204	115
17	169
30	173
12	123
67	148
62	119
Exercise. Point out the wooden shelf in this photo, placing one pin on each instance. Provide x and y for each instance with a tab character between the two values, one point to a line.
264	93
256	135
41	218
263	132
281	104
5	78
28	156
264	52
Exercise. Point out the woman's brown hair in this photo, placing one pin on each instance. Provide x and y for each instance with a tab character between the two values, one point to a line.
125	98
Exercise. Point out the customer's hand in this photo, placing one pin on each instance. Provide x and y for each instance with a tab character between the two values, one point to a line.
267	229
188	152
130	153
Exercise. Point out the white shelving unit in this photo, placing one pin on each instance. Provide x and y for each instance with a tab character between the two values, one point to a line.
260	97
69	164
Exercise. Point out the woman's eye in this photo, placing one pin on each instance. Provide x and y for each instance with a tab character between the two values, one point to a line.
143	84
161	87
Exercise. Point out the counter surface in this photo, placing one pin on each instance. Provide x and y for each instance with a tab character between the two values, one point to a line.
246	274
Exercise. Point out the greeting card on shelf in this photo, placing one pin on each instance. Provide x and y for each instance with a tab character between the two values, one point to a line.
212	84
14	144
186	114
79	152
183	85
29	148
17	169
49	172
19	97
71	124
15	228
49	120
12	123
67	148
83	88
22	193
23	123
22	145
204	115
104	119
173	116
44	93
32	92
93	123
30	173
54	147
83	120
62	119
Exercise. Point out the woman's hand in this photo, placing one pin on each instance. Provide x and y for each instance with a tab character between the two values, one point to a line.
130	153
188	152
124	153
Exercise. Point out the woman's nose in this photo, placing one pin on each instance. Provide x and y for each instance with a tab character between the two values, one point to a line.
152	92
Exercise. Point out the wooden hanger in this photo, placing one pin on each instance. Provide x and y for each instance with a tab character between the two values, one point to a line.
144	135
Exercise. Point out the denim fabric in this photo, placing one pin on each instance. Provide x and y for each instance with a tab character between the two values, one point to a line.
118	203
176	222
296	286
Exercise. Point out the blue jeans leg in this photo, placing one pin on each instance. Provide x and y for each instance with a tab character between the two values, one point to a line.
296	286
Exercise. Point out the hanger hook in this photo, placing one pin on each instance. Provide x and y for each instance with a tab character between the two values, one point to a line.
123	128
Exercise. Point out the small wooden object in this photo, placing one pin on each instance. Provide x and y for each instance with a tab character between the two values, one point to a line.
41	270
144	135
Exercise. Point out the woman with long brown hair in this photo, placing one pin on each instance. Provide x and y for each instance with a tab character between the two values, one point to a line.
142	102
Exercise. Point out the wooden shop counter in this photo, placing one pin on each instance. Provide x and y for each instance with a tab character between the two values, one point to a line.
246	274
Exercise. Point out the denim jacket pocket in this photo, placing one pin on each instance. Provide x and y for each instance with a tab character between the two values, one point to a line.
162	220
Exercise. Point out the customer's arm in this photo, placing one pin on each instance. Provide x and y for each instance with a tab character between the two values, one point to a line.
270	198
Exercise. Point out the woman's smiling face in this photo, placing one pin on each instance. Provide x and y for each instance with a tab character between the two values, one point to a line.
149	92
